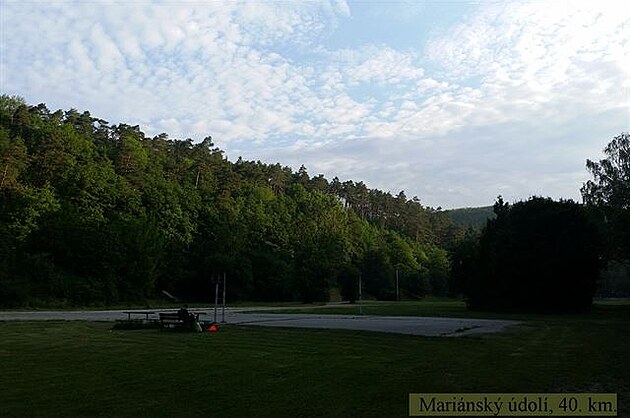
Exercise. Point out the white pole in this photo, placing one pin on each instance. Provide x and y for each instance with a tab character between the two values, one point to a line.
216	298
360	296
397	292
223	307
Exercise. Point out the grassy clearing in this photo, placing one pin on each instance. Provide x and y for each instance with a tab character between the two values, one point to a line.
449	308
83	368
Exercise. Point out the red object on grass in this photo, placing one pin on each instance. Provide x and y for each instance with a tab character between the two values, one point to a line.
213	328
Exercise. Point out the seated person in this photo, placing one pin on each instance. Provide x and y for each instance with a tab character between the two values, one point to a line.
184	315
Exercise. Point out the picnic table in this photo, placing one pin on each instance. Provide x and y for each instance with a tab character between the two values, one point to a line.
145	313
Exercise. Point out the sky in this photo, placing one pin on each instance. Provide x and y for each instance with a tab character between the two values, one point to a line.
455	102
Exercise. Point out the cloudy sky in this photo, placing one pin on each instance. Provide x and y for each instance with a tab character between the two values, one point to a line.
453	101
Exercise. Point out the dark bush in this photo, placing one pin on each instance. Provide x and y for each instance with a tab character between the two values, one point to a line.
538	255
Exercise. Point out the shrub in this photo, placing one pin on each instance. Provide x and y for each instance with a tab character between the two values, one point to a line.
537	255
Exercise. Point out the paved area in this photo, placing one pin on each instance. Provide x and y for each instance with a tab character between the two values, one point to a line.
428	326
414	325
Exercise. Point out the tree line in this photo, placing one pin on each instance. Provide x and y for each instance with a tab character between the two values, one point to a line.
95	213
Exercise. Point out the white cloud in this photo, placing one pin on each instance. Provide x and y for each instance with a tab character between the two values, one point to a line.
455	128
542	54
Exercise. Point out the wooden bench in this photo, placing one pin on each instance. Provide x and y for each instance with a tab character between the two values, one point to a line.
172	320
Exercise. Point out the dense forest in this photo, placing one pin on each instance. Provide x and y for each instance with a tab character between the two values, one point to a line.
95	213
474	218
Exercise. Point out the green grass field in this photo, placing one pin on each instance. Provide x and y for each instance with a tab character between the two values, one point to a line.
87	369
442	307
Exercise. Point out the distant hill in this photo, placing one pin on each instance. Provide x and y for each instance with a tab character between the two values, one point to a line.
475	217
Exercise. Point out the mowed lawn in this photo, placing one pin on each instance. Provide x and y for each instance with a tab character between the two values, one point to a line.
444	307
87	369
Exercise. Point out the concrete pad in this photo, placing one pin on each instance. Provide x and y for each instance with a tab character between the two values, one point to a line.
427	326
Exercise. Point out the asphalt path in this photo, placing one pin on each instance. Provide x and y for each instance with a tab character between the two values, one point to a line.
413	325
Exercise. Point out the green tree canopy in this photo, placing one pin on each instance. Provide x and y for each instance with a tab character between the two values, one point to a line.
609	193
610	185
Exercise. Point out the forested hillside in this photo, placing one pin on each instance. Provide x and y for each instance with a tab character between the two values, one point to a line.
97	213
471	217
